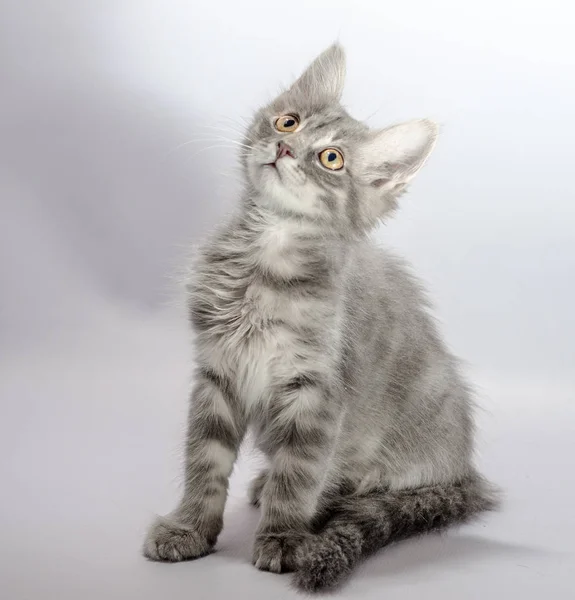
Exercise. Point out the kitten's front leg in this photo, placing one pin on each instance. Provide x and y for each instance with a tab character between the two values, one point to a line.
300	437
215	430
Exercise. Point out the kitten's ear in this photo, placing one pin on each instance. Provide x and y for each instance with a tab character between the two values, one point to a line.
391	157
322	82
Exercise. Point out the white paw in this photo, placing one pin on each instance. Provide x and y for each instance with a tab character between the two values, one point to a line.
168	540
277	552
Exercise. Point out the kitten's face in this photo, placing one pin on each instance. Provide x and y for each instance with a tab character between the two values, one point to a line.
308	157
302	157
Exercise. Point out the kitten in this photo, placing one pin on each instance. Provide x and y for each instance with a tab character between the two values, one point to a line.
321	342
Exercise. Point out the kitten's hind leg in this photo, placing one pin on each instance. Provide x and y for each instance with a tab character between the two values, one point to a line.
257	487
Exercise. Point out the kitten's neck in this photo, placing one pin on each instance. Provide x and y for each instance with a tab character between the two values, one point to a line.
288	245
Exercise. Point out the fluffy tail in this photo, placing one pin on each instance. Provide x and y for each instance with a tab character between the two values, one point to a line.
363	524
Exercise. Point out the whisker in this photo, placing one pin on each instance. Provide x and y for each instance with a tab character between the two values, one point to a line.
224	129
232	141
229	128
221	141
210	148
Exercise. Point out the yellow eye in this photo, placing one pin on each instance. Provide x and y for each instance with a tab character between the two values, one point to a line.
331	159
287	123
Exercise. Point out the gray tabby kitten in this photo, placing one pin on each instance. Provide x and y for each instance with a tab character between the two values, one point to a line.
321	342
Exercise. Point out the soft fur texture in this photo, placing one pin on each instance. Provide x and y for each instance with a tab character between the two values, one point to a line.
322	343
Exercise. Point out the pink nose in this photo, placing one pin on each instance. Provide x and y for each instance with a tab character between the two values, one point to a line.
284	150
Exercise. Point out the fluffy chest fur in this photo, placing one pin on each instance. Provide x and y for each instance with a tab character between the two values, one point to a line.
264	304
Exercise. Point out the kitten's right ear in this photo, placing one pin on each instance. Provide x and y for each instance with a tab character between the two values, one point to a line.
393	156
388	160
322	82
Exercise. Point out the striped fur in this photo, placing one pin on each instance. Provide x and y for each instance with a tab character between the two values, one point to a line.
362	524
322	343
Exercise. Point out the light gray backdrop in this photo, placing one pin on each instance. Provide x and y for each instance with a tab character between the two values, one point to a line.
115	121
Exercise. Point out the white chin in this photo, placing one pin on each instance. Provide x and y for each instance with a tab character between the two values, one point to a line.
270	179
276	191
282	197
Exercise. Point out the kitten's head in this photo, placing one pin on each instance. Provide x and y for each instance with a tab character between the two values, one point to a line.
309	157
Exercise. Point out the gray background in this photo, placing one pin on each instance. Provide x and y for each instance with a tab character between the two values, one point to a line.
115	121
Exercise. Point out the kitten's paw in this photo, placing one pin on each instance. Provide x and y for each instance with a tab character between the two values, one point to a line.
278	552
170	541
256	488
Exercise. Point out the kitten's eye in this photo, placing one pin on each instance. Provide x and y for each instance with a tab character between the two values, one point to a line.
331	159
287	123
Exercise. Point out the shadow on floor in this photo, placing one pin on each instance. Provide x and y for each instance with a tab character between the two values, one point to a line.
411	557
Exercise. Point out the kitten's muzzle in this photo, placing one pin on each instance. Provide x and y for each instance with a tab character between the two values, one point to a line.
284	150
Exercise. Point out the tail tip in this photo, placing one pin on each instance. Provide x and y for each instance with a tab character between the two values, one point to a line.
489	496
317	573
328	560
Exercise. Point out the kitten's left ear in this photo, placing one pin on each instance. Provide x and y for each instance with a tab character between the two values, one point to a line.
322	82
392	157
